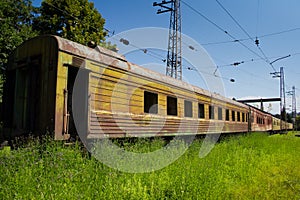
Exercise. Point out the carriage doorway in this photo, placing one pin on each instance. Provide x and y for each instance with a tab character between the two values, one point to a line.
77	100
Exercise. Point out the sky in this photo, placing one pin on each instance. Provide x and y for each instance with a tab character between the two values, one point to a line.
212	27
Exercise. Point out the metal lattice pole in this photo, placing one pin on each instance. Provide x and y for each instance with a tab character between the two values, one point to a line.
293	94
294	110
174	57
282	96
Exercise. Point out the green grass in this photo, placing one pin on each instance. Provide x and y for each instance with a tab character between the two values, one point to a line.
255	166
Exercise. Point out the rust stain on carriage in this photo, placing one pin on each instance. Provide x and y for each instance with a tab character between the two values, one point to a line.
113	59
116	82
85	51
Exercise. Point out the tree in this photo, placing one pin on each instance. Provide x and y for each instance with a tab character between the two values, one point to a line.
1	87
289	117
16	18
76	20
297	124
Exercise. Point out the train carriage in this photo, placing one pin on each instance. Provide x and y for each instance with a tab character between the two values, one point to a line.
116	98
276	124
62	87
260	120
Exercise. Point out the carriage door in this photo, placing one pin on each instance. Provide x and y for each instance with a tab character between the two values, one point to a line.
77	101
27	96
250	120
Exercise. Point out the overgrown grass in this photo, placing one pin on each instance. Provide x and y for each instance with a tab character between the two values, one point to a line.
255	166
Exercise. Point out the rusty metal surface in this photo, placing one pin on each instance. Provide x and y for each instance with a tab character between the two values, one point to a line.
85	51
267	117
100	54
133	124
105	124
30	95
56	52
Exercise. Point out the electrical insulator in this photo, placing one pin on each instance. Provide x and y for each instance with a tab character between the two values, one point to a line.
257	42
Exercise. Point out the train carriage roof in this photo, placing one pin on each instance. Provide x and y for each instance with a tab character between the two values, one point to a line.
103	55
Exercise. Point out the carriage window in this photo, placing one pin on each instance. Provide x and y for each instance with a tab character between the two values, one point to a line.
188	108
220	113
233	115
211	112
201	111
171	106
227	115
243	117
150	102
238	116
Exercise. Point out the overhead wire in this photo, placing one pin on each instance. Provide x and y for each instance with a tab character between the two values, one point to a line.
158	56
254	41
252	84
208	73
245	39
221	29
146	51
281	32
127	42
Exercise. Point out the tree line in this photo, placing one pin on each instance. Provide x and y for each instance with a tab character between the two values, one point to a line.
76	20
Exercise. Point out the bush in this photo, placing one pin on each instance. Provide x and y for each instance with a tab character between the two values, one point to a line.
255	166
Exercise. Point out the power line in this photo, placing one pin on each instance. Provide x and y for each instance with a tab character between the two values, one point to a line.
159	57
224	31
126	42
228	13
208	73
281	32
122	40
256	41
144	50
174	57
244	39
280	58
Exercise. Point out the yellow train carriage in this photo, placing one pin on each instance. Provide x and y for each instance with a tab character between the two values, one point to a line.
287	126
30	88
276	124
290	126
63	87
280	125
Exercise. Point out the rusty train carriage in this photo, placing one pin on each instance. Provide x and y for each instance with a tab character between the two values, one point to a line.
261	120
29	91
118	98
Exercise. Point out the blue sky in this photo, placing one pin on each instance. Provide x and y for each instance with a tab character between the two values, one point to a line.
259	18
